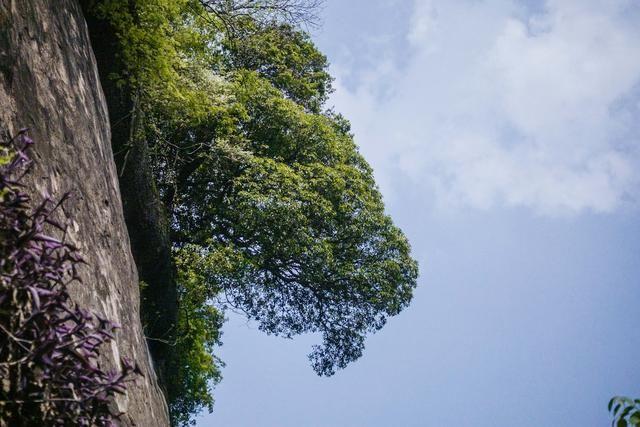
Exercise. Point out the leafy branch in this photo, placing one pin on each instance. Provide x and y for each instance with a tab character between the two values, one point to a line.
625	411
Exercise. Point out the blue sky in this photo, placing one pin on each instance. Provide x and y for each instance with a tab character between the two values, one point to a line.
506	141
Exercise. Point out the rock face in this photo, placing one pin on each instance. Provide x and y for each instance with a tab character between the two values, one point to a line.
49	83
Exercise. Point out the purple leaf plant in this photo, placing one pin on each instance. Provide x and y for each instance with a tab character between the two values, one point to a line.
50	370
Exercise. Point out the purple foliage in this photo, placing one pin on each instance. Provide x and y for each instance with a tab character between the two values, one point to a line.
49	347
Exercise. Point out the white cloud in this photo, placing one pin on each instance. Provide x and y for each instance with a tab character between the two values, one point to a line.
501	106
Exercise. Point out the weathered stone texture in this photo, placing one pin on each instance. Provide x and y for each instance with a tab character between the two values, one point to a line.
49	83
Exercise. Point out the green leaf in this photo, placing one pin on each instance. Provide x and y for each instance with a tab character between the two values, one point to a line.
610	405
626	411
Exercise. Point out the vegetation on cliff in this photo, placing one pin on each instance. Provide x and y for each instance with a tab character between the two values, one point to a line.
268	205
50	373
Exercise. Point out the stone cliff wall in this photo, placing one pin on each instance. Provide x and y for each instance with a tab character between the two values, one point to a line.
49	83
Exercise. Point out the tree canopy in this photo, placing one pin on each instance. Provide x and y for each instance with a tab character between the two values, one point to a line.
272	209
291	213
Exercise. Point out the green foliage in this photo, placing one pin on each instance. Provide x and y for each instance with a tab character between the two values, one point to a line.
195	370
625	411
5	156
292	208
286	57
165	49
273	210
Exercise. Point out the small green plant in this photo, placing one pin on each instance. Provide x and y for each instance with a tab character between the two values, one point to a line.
625	411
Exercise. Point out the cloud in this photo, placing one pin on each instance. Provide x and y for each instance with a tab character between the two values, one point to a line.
501	104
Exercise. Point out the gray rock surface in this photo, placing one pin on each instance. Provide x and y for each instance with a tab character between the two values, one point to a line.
49	83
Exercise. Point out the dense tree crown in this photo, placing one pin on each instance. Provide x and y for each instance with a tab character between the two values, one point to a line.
291	214
273	210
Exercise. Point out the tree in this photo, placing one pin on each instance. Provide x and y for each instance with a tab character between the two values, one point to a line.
291	213
271	208
284	56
